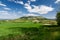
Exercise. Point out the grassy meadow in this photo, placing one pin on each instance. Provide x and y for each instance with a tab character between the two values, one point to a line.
28	30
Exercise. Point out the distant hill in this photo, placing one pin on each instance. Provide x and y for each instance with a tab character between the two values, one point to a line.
33	17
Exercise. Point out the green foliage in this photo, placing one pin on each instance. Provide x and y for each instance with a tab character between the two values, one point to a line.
58	18
27	34
57	38
33	33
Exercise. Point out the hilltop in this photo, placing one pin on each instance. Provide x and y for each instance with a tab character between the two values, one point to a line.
32	17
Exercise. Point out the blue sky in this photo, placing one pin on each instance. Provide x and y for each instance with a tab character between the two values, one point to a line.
12	9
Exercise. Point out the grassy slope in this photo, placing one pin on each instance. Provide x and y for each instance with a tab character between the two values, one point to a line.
23	24
30	29
4	26
33	33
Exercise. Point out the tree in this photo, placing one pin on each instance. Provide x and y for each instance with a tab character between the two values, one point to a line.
58	18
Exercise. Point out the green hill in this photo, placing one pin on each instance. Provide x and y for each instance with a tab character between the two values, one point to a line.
33	17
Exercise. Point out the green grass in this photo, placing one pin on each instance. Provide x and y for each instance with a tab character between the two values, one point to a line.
33	33
29	31
5	25
23	24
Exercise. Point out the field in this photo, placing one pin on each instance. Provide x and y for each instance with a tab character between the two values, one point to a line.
4	26
28	31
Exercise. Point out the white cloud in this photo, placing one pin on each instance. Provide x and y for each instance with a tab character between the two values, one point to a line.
30	14
4	14
1	4
33	0
27	6
42	9
19	12
20	2
57	1
29	1
4	6
11	0
7	15
17	1
51	17
7	8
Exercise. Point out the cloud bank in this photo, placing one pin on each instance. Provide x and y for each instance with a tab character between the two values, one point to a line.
40	9
57	1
